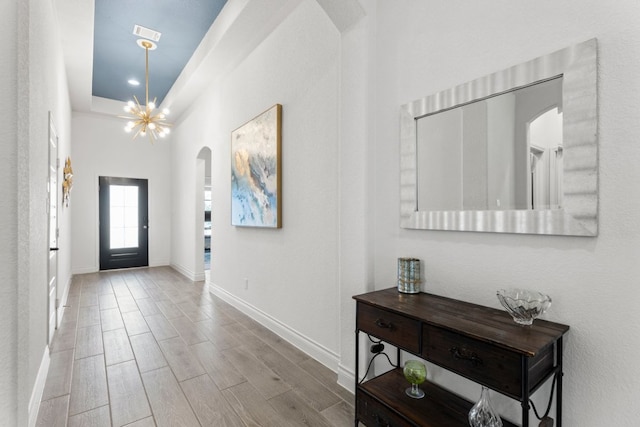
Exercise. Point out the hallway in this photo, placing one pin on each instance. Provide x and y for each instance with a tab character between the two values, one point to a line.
147	347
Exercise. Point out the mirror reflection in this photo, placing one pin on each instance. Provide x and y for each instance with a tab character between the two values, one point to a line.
515	151
503	152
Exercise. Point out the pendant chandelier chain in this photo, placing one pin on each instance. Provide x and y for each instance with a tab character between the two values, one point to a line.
146	73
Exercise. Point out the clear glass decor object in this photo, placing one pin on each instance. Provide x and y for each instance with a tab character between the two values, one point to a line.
416	373
482	413
524	305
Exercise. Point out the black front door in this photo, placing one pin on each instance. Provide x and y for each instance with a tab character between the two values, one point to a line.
124	223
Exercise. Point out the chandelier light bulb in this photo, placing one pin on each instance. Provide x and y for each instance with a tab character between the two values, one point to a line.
152	126
166	111
152	106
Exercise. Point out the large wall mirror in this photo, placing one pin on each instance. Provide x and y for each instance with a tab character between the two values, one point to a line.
512	152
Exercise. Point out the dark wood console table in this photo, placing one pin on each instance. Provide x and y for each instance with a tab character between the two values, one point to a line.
480	343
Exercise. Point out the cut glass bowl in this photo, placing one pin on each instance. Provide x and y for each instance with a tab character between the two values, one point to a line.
524	305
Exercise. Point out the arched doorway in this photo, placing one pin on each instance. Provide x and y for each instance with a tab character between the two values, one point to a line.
545	160
203	211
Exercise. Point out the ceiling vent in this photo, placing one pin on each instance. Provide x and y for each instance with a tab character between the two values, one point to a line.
146	33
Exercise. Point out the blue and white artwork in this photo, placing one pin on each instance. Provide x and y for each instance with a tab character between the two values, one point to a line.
255	171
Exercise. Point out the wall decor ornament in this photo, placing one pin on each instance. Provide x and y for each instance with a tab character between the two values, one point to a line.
256	171
67	182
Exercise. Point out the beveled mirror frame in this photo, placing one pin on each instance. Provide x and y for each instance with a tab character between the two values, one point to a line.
579	216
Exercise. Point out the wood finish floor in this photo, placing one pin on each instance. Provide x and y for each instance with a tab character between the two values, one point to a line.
147	347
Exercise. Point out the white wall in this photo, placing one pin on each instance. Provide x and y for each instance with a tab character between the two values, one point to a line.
292	271
340	235
48	92
428	46
9	209
501	156
102	148
441	162
33	83
356	171
476	156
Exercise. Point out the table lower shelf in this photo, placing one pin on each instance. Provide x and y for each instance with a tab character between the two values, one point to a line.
382	401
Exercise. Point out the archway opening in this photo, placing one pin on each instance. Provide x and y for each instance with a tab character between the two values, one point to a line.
204	211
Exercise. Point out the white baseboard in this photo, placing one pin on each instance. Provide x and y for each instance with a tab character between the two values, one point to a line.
303	343
84	270
159	263
96	268
188	273
63	300
346	378
38	388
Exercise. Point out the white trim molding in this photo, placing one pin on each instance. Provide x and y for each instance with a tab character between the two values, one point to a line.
317	351
38	388
195	277
63	300
346	378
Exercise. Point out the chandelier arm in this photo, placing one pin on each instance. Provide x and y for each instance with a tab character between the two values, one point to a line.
138	132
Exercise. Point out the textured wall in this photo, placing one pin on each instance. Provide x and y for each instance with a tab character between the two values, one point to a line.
427	46
292	271
102	148
47	93
33	83
8	211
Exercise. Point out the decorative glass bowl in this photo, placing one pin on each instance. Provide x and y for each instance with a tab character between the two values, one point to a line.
524	305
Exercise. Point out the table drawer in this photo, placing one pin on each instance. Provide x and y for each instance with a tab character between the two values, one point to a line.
372	413
395	329
496	367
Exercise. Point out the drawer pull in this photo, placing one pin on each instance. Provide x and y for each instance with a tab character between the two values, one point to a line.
381	323
464	354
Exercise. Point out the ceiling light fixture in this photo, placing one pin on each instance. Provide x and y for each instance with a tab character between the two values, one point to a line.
143	119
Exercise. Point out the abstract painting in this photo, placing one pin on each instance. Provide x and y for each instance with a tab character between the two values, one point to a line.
256	174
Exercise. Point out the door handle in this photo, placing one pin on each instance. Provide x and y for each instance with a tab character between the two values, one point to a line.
54	249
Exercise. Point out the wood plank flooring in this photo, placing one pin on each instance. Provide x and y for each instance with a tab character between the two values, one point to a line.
147	347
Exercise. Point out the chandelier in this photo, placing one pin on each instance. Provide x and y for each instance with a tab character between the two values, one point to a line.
145	119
